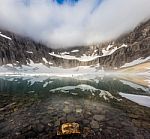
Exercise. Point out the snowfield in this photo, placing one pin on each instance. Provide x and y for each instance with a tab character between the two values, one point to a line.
136	62
108	51
39	69
139	99
80	72
82	58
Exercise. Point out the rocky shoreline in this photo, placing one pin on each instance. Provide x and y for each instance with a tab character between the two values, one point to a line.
33	117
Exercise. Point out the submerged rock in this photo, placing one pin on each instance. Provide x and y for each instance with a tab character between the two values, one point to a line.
98	117
94	124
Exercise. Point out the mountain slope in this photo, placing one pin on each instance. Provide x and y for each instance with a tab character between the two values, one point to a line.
18	50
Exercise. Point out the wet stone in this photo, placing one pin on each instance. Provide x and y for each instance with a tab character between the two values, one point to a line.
18	137
2	125
78	110
57	123
50	108
66	103
139	137
66	109
40	127
98	117
30	134
54	114
17	133
87	115
100	109
86	131
86	121
26	129
2	119
94	124
62	119
71	118
50	124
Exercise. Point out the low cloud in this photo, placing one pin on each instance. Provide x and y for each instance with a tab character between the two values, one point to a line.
86	22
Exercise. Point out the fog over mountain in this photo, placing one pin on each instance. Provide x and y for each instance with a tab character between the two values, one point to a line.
66	25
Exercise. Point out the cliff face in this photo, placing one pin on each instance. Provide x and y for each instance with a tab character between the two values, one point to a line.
20	50
138	46
128	54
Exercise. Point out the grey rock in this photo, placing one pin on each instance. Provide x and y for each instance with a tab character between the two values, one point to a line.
94	124
71	118
98	117
86	121
40	127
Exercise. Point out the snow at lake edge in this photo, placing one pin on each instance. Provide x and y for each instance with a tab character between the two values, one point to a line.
139	99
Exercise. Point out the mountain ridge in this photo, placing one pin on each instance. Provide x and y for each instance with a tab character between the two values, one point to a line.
19	50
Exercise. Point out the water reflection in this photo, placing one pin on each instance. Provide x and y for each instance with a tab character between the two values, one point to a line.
36	106
106	87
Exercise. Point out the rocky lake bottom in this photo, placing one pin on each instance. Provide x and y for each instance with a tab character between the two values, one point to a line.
32	108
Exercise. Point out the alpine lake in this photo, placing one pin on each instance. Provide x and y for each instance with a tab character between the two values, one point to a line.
104	107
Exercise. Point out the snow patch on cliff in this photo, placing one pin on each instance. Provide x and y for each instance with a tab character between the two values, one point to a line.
106	51
74	51
29	52
111	49
136	62
82	58
4	36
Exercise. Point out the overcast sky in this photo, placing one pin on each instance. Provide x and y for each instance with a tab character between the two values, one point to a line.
63	25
